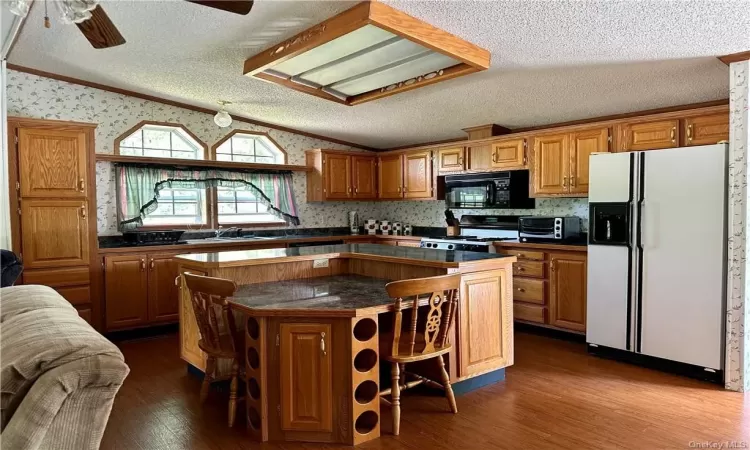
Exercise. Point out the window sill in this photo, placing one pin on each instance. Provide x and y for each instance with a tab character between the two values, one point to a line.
199	163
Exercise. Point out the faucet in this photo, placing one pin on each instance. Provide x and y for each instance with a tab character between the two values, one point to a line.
222	231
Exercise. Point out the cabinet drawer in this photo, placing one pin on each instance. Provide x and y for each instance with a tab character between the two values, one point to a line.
528	290
76	295
534	269
57	277
530	313
408	244
524	254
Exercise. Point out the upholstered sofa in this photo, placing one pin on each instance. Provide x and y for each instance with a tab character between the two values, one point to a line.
59	376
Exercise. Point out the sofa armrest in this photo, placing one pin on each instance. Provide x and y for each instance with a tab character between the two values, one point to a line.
68	406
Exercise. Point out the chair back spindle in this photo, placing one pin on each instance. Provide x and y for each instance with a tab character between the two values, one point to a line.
442	291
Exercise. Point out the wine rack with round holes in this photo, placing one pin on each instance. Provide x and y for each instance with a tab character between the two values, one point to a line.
365	373
256	403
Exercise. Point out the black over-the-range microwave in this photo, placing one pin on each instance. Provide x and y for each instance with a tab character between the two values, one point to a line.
495	190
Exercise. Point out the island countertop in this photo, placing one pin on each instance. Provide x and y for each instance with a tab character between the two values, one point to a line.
421	256
334	296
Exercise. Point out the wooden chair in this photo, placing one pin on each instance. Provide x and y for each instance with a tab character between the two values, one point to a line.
219	336
410	345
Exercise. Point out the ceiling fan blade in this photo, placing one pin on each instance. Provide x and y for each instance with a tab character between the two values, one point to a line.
234	6
100	31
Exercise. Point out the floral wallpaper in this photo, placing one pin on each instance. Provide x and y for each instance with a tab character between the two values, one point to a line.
737	357
45	98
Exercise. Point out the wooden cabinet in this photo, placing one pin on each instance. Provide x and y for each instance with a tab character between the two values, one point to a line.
126	291
405	175
140	290
338	175
567	300
648	135
485	322
305	376
163	293
390	176
509	154
706	130
479	156
560	162
550	168
365	177
549	286
52	163
418	175
582	145
55	232
451	159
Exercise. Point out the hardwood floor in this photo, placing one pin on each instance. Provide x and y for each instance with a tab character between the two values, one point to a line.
555	396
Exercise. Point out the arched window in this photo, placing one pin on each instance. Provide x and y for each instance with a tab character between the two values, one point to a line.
168	140
239	207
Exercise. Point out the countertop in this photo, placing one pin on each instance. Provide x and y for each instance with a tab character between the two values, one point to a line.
424	256
334	296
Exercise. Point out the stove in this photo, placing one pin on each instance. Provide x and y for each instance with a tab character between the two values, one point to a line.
477	234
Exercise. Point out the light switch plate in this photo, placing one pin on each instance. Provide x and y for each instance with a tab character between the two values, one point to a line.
319	263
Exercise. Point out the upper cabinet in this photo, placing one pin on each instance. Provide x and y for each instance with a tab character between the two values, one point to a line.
502	154
648	135
341	175
451	159
52	163
706	130
406	175
560	162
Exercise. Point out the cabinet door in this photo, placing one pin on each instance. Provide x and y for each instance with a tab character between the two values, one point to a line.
337	175
418	175
549	170
365	177
485	321
390	176
451	159
706	130
305	369
126	291
52	163
567	300
509	154
163	301
649	135
480	157
582	145
54	233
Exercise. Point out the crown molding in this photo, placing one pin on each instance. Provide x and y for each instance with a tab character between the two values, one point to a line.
735	57
187	106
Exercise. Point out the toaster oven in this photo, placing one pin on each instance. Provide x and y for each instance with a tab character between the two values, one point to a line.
531	228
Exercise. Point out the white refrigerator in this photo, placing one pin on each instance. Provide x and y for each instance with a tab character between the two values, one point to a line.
657	255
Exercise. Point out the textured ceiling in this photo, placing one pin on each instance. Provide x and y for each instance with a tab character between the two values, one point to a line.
552	61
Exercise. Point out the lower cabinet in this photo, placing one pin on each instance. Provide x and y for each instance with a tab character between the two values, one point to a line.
483	344
567	299
140	290
549	287
305	372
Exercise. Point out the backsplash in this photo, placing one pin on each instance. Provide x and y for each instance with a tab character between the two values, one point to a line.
431	213
45	98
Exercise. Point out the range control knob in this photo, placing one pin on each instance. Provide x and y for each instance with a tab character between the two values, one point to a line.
450	246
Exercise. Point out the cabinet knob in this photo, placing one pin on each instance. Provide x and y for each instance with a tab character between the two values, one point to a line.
520	269
521	290
151	264
81	185
672	134
323	343
83	211
690	133
143	264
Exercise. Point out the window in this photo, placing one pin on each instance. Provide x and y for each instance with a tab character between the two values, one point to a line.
165	140
238	206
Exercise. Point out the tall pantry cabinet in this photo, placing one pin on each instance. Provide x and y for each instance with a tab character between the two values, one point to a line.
53	207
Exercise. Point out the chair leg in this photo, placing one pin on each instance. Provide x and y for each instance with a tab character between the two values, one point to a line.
233	393
209	376
402	369
395	398
447	385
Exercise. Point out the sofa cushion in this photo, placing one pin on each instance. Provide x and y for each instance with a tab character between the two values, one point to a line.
39	331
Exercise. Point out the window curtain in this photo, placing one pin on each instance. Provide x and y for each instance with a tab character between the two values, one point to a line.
138	189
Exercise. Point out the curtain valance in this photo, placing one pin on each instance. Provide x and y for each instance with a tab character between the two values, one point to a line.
138	188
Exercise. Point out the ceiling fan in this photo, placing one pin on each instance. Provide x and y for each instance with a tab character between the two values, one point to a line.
96	26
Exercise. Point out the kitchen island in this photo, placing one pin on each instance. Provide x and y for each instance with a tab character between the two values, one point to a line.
313	317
